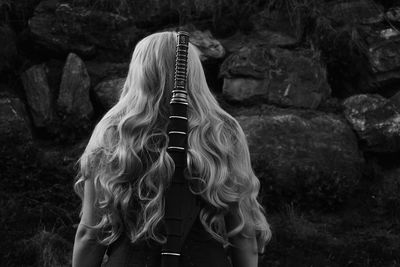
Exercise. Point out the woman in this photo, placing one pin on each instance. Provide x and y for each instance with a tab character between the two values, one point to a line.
126	167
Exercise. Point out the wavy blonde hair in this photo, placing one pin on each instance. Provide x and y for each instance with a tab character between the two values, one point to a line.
127	153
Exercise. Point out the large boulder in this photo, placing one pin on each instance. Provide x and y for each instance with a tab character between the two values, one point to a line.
50	35
209	47
63	27
353	11
14	122
376	121
279	76
108	92
384	57
249	61
38	94
244	88
302	155
360	46
73	103
263	37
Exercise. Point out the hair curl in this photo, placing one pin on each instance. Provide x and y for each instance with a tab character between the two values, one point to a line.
127	153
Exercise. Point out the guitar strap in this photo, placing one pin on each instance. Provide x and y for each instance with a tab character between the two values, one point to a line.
181	205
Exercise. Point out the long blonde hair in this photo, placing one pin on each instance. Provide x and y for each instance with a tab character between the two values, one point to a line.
127	153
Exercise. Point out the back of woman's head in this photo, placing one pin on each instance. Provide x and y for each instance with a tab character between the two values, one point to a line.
127	153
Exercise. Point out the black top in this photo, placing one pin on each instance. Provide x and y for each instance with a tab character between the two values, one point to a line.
200	250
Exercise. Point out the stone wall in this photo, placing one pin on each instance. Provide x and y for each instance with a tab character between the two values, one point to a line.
315	88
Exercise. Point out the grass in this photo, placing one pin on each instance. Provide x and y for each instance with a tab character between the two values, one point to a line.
331	239
47	249
40	211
